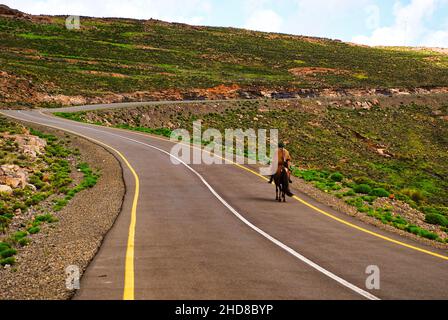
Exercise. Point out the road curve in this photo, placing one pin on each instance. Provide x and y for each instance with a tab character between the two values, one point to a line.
214	232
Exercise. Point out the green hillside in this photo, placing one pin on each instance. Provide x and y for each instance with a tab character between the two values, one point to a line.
40	58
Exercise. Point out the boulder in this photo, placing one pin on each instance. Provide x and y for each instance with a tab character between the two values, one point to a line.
366	106
31	145
5	189
13	176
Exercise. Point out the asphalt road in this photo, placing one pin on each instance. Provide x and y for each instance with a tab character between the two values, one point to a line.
215	232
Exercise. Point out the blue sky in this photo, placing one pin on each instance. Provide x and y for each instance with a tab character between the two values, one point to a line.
372	22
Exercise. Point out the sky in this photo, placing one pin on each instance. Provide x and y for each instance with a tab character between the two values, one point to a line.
370	22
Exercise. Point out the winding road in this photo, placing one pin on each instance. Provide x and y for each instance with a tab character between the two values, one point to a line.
214	232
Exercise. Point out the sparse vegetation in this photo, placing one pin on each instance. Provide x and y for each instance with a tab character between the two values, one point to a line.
51	176
338	150
124	56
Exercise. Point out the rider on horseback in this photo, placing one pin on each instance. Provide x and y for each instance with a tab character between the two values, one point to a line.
284	161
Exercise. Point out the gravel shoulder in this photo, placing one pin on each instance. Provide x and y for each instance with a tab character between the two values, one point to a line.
75	239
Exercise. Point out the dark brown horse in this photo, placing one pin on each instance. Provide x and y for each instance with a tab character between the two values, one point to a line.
281	180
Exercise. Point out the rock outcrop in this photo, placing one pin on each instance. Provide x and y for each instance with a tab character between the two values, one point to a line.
30	145
13	176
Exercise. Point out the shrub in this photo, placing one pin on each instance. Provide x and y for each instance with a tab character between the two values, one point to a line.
364	180
35	199
438	210
8	253
421	232
437	219
363	188
337	177
24	242
60	204
34	230
428	235
350	193
46	218
36	180
380	192
415	195
18	235
369	199
322	186
4	246
358	203
310	175
8	261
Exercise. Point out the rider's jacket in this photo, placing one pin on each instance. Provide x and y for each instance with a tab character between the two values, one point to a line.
279	159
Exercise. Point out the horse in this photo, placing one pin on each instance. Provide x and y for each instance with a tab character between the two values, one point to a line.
281	180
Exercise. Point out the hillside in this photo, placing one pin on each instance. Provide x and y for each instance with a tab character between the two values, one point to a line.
109	60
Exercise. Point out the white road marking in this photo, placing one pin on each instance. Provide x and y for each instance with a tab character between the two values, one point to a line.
280	244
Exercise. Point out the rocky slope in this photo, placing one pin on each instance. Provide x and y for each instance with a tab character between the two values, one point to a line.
116	60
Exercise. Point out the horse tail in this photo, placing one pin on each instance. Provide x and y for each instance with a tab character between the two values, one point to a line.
285	180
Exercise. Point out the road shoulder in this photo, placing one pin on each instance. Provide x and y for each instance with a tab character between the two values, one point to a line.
75	239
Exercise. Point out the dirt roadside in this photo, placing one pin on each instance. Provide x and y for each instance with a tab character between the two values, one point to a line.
75	239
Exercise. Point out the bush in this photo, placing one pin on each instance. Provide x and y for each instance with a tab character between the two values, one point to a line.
311	175
36	180
428	235
46	218
34	230
369	199
4	246
24	242
415	195
421	232
60	204
337	177
380	192
364	180
350	193
363	188
437	219
8	253
19	235
438	210
36	199
10	261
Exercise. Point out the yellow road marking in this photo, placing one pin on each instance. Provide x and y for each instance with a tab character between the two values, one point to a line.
129	279
305	202
129	266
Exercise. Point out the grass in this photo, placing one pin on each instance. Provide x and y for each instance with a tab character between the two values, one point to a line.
89	180
363	196
157	56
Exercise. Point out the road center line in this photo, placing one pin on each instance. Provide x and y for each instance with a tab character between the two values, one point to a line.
129	277
248	223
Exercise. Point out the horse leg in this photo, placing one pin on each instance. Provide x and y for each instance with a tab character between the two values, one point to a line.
276	192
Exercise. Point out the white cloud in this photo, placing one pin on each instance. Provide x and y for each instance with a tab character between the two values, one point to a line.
322	17
409	27
436	39
264	20
304	17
